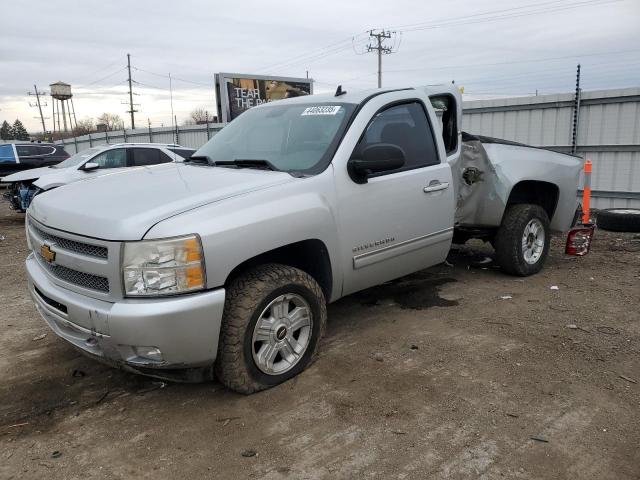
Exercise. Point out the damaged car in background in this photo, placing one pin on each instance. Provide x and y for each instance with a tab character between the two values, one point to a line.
225	263
18	157
95	161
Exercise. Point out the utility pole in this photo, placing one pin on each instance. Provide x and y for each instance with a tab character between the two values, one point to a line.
171	99
380	36
39	105
131	110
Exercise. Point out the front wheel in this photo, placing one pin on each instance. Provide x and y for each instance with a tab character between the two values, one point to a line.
274	317
522	242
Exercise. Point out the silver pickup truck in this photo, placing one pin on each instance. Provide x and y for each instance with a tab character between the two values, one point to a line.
226	263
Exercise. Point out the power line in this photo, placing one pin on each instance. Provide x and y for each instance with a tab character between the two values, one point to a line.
318	56
493	77
103	78
101	69
470	65
533	9
455	23
143	84
172	77
475	15
340	45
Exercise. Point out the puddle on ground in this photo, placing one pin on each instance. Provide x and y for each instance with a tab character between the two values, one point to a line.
416	292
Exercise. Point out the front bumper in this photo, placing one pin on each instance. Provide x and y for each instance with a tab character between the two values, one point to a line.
184	328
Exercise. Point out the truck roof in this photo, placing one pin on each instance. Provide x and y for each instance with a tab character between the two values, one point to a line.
359	96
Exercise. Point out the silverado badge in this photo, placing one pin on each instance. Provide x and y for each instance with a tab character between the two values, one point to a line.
48	254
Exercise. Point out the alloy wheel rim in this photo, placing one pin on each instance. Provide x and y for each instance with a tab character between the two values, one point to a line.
533	238
282	334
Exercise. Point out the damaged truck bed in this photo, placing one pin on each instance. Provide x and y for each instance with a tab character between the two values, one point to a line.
492	173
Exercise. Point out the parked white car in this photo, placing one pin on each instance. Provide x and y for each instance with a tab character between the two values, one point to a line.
91	163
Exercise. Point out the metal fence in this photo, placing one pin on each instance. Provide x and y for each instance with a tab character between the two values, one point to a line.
191	136
608	134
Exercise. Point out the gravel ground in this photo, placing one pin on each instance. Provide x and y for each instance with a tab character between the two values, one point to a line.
455	372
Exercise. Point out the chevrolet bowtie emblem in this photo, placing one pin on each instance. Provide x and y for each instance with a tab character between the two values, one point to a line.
48	254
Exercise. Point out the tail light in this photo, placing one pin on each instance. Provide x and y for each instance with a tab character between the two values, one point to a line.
579	240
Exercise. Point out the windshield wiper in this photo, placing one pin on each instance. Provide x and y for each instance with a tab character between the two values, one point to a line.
248	163
200	159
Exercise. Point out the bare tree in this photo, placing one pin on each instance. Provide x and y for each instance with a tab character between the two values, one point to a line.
199	116
83	127
111	120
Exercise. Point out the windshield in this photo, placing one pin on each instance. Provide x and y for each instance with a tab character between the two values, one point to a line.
78	158
294	137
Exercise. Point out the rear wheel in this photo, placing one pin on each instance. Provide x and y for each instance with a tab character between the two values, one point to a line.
273	319
522	242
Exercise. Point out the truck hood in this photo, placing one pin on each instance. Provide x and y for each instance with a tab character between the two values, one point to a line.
31	174
125	205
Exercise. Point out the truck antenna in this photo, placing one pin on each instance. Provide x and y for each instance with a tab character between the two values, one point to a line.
339	91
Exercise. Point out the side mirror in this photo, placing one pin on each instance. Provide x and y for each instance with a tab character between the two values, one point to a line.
90	166
381	157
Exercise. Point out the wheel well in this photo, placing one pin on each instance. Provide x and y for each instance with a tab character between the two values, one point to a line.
544	194
310	256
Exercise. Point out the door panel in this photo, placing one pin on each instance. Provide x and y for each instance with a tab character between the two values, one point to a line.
392	227
399	222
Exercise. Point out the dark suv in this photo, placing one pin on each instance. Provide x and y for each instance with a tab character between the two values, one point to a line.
16	157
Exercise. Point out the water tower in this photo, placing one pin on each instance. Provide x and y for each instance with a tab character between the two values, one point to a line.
62	100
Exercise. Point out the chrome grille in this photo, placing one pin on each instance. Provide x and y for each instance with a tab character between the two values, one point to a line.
81	279
71	245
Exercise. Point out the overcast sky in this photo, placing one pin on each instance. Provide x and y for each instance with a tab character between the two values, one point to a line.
491	48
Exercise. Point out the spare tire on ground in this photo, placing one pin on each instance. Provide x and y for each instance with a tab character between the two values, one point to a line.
619	219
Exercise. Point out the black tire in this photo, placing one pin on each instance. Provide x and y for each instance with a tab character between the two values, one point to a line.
508	241
619	219
247	297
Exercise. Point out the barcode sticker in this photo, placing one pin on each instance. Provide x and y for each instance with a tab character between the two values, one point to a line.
321	110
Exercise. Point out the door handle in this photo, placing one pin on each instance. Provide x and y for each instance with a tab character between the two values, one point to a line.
436	186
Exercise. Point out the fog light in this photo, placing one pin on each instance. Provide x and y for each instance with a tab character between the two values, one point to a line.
150	353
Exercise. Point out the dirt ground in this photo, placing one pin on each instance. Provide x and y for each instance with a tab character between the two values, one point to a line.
455	372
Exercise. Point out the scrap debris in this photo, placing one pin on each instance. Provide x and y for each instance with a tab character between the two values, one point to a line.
18	425
628	379
102	397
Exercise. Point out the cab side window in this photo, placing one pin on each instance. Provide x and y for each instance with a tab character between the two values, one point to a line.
115	158
406	126
148	156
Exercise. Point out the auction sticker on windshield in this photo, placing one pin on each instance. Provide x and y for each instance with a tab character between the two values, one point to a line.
322	110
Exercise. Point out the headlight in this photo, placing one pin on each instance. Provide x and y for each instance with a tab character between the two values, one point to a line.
163	267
